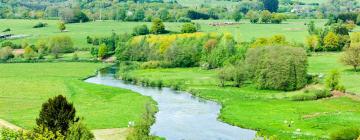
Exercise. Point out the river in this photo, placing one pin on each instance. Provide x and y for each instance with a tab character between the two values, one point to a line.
181	116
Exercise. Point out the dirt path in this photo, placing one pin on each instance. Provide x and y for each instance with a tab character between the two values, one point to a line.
100	134
6	124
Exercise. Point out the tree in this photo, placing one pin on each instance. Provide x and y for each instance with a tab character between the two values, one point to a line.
157	27
271	5
253	16
6	53
278	68
102	51
140	30
237	16
265	16
333	79
61	44
57	114
312	42
29	53
331	41
78	131
351	57
311	27
188	28
61	26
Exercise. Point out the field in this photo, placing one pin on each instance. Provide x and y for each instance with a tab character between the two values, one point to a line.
268	111
294	29
24	87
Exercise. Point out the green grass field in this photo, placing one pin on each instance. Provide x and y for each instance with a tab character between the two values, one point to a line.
268	110
294	30
24	87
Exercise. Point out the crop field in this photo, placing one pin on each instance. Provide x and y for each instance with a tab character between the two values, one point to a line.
271	111
293	29
24	87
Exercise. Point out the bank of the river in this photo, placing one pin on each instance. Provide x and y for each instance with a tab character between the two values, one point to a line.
270	112
180	116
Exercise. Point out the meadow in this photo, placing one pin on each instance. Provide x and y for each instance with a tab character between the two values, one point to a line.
294	29
24	87
271	112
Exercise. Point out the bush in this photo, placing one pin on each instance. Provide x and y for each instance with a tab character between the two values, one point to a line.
184	19
150	65
61	44
157	27
40	25
6	30
345	134
141	130
11	45
333	79
57	114
140	30
188	28
278	68
6	53
311	95
78	131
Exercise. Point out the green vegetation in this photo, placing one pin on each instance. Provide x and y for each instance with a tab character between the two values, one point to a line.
32	84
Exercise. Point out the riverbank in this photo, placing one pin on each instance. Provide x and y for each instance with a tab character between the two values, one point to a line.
270	112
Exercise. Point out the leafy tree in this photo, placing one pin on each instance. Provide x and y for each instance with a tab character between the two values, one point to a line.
61	26
237	16
140	30
333	79
277	18
278	68
139	15
60	44
141	130
188	28
355	39
311	27
6	53
29	53
78	131
331	41
102	51
157	27
253	16
271	5
351	57
265	16
312	42
56	115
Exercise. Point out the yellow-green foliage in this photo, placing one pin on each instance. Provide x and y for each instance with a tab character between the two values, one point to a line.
355	39
276	40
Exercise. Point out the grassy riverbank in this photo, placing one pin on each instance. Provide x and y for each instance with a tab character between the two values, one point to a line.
270	111
25	86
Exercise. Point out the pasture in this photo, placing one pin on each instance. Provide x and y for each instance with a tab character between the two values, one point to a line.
293	29
24	87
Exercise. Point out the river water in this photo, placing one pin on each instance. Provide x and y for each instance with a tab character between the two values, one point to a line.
181	116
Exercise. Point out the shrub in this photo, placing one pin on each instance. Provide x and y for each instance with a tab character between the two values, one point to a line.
333	79
6	30
157	27
61	26
141	130
331	42
40	25
265	16
351	133
78	131
279	68
57	114
29	53
75	57
61	44
102	51
184	19
140	30
150	65
253	16
311	95
6	53
11	45
188	28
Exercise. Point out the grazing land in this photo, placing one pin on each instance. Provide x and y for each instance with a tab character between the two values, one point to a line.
270	111
294	29
24	87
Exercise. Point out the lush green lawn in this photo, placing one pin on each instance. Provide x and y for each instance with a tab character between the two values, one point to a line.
268	110
24	87
294	30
